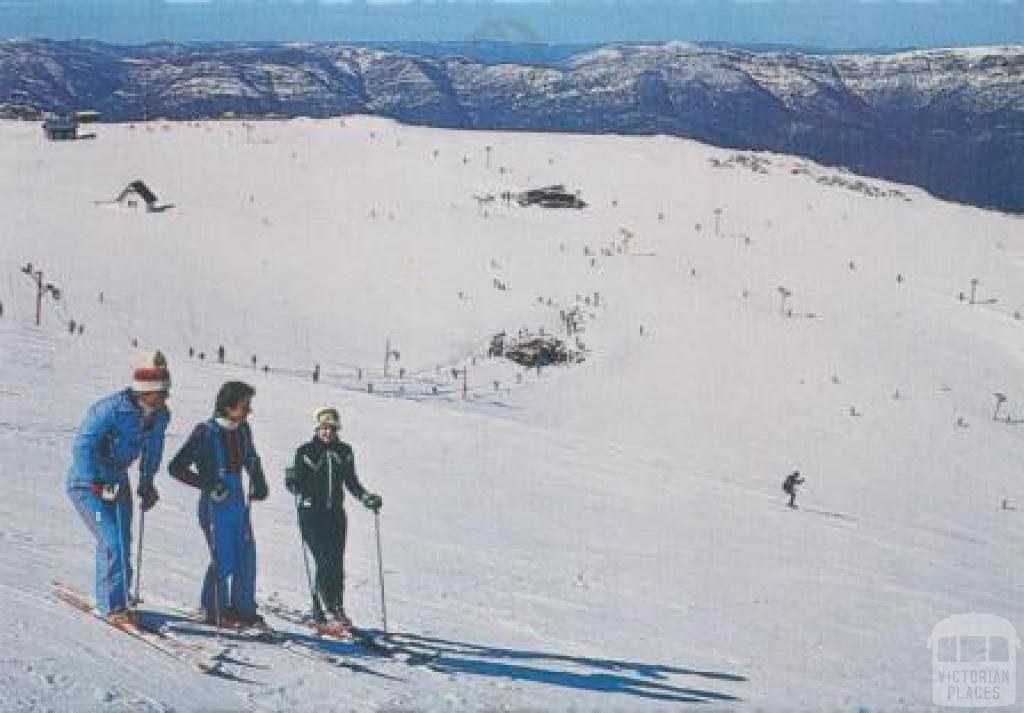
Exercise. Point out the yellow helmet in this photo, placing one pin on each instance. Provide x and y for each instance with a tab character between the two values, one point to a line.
327	416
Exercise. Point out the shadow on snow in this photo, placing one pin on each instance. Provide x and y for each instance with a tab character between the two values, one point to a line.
644	680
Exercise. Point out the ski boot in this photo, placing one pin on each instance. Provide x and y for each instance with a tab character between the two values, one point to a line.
253	621
123	618
337	626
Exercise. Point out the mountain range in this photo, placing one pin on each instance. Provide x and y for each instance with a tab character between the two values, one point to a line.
949	120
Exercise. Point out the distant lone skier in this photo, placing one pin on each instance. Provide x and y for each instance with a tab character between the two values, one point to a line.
117	431
789	486
323	466
220	354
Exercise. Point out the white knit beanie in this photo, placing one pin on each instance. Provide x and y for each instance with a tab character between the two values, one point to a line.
152	375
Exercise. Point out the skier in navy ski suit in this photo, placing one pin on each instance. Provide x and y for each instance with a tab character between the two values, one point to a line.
219	449
117	431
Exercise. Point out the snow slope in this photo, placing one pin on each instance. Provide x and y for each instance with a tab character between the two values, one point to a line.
606	536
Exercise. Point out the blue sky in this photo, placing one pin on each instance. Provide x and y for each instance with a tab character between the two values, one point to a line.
821	24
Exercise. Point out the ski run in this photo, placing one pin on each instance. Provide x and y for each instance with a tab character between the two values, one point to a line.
607	533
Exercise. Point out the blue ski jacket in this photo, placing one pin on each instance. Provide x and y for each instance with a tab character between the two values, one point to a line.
113	435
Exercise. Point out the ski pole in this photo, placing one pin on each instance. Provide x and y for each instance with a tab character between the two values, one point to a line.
317	613
216	567
248	560
380	572
125	581
138	558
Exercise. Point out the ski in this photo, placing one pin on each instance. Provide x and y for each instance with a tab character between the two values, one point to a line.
182	636
269	637
262	635
320	655
196	617
374	642
197	656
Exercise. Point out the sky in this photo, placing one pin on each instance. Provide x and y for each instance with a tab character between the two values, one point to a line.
818	24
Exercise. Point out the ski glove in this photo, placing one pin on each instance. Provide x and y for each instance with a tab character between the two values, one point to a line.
289	481
107	492
258	487
372	501
188	477
219	492
149	497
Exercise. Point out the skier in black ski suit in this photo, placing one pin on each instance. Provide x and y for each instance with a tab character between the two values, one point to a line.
789	486
322	466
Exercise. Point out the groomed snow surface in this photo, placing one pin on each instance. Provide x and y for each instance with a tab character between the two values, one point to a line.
606	536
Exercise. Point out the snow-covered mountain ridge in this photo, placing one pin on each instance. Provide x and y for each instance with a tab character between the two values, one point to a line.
950	120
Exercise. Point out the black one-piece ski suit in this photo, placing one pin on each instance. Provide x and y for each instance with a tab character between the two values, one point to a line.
322	471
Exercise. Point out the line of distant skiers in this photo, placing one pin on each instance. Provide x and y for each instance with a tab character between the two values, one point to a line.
130	426
221	353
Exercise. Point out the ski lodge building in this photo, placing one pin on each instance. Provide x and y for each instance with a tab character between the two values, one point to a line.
61	129
135	192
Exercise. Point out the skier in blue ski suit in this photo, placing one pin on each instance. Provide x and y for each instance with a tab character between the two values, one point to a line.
212	459
117	431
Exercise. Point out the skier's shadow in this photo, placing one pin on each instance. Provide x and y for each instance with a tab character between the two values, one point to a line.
607	675
189	628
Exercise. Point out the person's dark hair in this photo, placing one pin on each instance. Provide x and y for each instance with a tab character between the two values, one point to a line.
231	394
